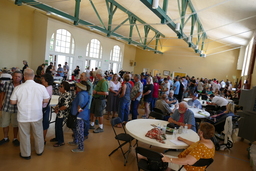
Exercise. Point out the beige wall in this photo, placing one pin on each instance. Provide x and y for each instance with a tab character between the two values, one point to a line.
129	58
178	57
16	26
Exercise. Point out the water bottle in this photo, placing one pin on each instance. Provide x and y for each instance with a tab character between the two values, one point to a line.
175	132
164	129
180	131
186	128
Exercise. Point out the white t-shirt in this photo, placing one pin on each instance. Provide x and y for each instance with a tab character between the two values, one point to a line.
220	101
29	96
114	86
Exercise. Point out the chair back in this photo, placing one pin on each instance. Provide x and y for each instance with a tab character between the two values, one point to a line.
156	115
157	110
154	159
201	163
116	121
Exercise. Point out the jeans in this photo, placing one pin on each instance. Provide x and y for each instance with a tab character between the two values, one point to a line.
123	109
153	102
134	108
58	130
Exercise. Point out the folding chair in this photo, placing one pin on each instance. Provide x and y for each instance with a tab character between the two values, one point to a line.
201	162
157	114
122	139
153	157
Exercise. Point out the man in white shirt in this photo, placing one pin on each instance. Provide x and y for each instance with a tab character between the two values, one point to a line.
29	98
218	101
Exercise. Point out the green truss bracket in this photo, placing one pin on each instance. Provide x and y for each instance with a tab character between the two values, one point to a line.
183	5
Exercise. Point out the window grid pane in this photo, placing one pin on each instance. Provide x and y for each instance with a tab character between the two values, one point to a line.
94	48
116	53
63	42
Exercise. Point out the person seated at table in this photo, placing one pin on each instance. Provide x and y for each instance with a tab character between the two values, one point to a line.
182	116
203	95
208	91
204	148
223	115
194	102
220	102
171	99
162	105
228	95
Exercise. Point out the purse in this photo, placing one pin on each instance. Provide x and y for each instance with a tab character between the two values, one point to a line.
71	119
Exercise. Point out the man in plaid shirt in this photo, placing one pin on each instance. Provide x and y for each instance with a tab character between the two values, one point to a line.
9	111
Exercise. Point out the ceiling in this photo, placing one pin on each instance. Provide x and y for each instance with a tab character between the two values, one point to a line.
231	22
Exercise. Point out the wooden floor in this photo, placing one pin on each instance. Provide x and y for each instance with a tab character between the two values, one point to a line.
95	157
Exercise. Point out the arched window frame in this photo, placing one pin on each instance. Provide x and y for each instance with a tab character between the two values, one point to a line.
62	41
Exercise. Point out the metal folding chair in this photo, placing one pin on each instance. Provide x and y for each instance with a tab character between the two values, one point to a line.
122	139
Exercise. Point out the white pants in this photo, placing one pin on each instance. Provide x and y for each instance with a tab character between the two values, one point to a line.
24	133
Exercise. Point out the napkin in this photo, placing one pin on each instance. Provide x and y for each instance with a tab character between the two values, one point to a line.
179	143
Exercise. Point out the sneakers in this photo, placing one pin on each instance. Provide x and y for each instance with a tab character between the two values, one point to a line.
16	142
72	143
77	150
98	130
92	127
4	141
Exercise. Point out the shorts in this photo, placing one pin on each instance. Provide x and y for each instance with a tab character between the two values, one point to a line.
97	107
148	100
46	122
8	118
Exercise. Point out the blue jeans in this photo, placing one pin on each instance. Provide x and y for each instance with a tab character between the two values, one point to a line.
58	130
123	109
79	134
134	108
153	102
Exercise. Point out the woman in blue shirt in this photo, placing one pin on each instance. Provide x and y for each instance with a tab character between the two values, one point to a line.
80	105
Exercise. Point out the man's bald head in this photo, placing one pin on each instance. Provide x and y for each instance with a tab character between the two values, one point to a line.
164	96
29	74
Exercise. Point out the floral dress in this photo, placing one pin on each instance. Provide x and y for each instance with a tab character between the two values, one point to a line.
64	100
198	151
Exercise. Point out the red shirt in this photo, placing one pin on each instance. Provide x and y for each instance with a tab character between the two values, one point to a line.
155	90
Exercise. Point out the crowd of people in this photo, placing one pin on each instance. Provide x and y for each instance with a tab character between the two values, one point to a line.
98	92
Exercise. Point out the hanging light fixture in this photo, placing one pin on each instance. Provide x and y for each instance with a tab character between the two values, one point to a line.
177	28
155	4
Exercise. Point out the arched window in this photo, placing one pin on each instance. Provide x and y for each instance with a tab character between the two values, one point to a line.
116	54
62	42
94	49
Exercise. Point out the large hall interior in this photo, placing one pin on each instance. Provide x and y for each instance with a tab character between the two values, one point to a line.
212	39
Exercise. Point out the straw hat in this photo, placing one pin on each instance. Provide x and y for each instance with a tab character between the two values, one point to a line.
83	87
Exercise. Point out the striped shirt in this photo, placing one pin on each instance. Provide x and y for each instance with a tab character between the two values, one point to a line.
8	89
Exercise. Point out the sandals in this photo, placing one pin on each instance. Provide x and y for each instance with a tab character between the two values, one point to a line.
58	144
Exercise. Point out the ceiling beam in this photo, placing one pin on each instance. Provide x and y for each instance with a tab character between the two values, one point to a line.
165	19
107	31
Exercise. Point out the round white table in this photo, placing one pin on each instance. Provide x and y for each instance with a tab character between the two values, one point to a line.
139	127
199	113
